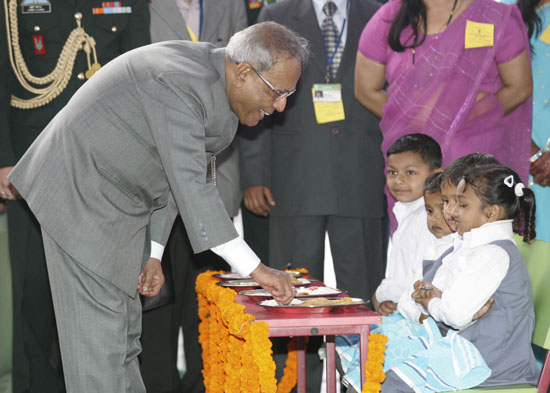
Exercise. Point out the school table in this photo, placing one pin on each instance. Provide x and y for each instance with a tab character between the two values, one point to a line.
356	321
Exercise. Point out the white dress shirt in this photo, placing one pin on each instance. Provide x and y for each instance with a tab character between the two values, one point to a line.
409	243
406	305
339	16
236	252
472	275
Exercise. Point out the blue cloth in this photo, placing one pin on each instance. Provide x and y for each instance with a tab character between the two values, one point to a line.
540	66
541	117
420	355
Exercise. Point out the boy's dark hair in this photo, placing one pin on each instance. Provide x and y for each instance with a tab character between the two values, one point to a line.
496	185
433	183
456	169
421	144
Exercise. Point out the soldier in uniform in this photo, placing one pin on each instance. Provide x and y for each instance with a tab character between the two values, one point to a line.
47	51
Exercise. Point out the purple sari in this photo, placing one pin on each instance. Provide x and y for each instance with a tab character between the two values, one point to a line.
438	94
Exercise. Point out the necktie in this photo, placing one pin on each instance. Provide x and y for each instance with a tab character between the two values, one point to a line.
330	34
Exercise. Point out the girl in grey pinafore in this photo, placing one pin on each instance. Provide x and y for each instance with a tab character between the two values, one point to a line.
503	334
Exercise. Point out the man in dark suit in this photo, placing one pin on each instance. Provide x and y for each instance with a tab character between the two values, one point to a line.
314	169
214	22
43	28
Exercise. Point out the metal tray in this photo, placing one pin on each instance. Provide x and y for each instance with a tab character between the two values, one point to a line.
237	276
313	309
244	285
231	276
257	295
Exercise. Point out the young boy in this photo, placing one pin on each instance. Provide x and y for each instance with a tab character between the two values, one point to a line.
441	247
411	159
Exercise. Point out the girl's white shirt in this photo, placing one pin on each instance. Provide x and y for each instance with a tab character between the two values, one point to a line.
406	305
471	274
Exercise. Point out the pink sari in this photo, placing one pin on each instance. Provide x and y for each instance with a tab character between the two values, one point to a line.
437	95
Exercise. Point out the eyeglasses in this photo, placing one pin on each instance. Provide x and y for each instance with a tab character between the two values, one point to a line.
280	94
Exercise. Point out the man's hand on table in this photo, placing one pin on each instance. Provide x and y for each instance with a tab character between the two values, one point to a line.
275	282
151	278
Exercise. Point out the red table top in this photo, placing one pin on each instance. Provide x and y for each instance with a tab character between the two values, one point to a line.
361	316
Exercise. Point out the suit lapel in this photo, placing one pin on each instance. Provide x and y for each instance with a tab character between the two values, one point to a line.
213	13
171	14
309	28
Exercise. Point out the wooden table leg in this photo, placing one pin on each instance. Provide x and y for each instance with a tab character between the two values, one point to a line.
331	364
364	349
301	347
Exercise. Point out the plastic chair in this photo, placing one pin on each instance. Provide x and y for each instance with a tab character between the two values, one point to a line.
538	264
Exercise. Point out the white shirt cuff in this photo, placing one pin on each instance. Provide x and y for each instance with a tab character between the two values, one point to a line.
434	307
157	250
239	255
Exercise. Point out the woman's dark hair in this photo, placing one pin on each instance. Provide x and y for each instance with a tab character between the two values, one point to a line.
411	12
497	185
433	183
530	17
422	144
456	169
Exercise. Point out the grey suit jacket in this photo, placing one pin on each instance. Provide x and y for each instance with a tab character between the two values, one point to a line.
335	168
222	19
132	145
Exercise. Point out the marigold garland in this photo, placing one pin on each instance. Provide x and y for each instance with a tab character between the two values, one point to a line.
236	350
374	374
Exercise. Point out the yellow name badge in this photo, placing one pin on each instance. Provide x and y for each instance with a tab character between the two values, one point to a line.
479	35
545	36
327	102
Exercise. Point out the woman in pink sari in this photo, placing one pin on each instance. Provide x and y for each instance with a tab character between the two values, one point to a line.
457	70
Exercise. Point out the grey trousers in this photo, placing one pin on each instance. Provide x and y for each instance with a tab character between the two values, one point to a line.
99	327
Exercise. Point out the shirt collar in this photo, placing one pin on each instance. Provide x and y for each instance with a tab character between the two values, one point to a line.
487	233
402	209
341	8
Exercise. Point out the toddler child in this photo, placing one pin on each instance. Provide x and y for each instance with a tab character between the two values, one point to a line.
441	247
411	159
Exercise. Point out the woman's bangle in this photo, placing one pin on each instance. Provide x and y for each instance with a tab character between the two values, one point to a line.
536	156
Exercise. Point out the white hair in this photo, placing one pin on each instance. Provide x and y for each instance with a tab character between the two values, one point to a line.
262	45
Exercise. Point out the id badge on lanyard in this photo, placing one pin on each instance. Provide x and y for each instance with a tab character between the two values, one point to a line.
327	102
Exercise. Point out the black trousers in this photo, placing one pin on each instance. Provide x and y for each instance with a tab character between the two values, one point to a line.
256	233
159	337
36	363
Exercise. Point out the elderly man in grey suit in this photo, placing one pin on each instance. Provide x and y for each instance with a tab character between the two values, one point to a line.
314	172
214	22
108	175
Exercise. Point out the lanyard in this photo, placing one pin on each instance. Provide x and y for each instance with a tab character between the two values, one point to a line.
330	58
192	35
201	5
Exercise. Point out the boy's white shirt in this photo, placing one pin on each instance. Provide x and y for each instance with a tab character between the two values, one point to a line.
471	274
408	246
406	305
